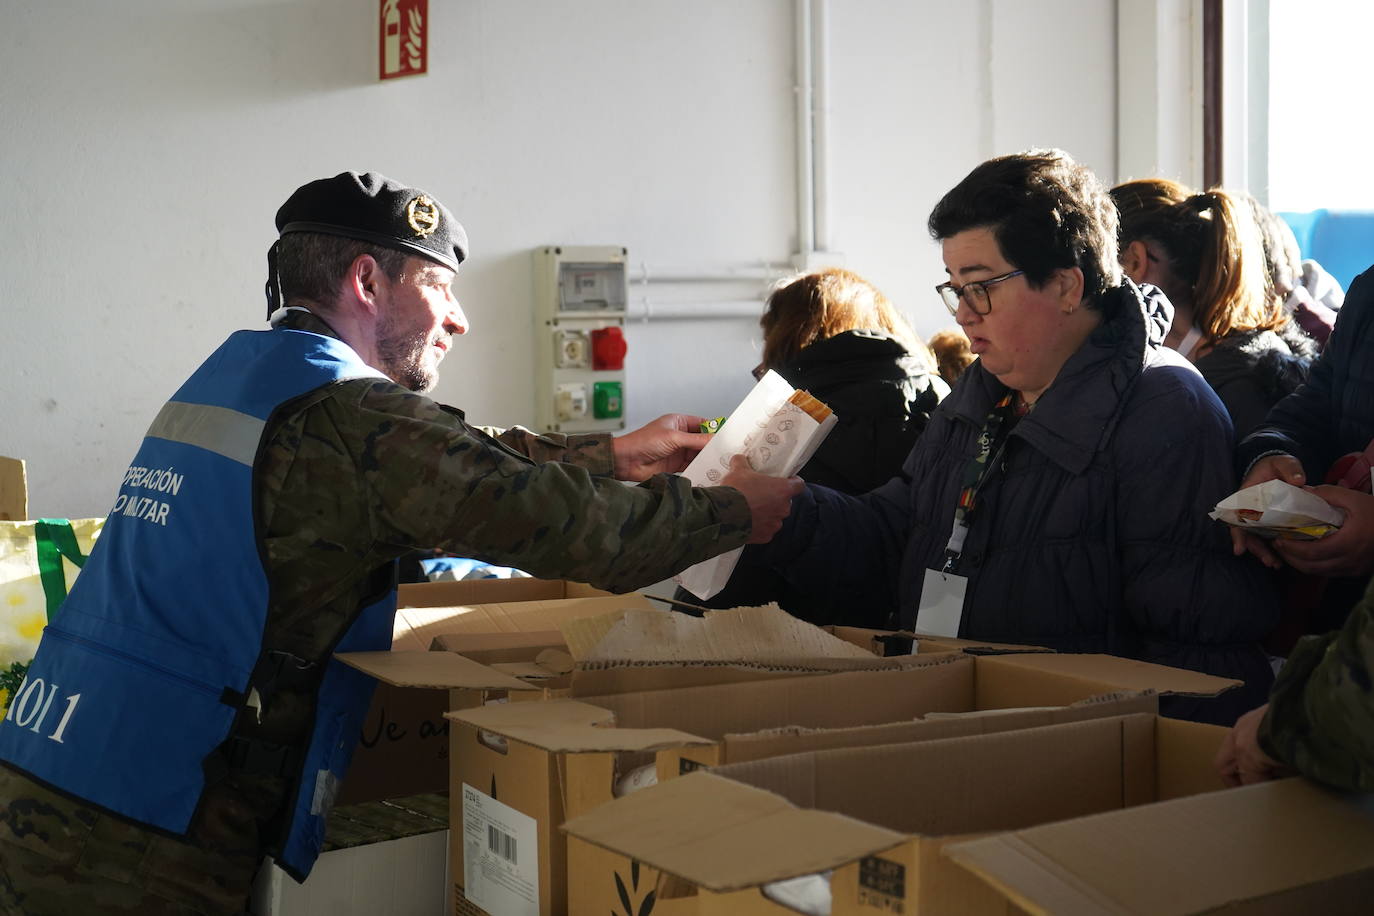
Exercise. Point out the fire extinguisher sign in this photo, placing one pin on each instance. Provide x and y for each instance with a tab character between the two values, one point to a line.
403	38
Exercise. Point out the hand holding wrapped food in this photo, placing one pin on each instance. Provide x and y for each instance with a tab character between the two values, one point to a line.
1275	509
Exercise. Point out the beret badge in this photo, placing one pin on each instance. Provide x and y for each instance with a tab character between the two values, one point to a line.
423	215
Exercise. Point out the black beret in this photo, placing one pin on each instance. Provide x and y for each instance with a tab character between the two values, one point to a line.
373	208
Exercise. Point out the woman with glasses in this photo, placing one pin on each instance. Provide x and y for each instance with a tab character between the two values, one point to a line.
1059	495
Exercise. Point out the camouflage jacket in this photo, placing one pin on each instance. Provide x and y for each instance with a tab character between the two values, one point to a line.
349	478
1321	711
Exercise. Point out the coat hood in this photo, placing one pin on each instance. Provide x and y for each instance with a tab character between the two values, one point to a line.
1077	414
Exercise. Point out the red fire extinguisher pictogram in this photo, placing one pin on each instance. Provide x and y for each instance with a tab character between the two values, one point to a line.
403	38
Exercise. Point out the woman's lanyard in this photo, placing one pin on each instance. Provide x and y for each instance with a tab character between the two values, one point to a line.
976	474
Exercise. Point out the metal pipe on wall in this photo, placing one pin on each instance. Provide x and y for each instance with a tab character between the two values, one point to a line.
645	310
806	226
820	118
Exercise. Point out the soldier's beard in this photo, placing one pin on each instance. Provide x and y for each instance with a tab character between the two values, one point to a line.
402	357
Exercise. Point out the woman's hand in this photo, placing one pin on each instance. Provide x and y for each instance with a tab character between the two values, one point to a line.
1275	467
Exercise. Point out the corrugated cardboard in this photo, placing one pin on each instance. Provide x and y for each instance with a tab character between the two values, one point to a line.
878	816
756	634
1282	847
580	767
635	651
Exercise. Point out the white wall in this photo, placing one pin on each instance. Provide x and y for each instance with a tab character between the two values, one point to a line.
147	143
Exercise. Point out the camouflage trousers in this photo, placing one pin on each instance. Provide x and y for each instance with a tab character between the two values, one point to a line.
33	885
58	856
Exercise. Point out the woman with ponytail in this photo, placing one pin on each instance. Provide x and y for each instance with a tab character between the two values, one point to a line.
1207	255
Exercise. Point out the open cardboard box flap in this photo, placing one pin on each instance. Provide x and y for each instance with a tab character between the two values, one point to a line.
944	788
927	642
410	668
1113	672
491	591
513	617
570	726
775	742
1217	849
759	634
726	835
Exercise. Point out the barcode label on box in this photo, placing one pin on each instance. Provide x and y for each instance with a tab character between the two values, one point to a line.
500	873
503	844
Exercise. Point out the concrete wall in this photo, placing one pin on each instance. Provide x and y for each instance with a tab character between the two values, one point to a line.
147	143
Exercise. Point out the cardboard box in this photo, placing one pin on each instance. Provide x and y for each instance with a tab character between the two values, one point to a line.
564	758
403	747
1279	847
378	858
880	816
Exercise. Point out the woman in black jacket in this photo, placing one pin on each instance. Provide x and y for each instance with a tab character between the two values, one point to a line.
835	335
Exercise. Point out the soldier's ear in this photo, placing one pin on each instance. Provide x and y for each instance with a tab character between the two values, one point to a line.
366	283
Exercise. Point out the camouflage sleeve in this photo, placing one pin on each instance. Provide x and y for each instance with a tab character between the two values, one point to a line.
1321	710
435	481
591	451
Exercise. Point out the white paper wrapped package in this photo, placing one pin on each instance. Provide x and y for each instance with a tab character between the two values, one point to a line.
1278	509
776	436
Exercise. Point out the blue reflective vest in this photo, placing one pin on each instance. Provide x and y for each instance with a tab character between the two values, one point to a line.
131	698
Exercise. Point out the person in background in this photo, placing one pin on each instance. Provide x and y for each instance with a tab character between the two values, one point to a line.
1311	438
1287	274
203	720
1319	720
833	334
1059	495
952	354
1205	252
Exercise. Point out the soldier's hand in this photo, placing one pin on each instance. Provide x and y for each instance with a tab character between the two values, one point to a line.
1241	760
662	446
769	498
1347	551
1275	467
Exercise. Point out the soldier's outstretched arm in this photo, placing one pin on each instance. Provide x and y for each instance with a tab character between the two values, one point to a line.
434	481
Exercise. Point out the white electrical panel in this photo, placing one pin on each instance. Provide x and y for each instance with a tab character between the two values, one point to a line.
581	292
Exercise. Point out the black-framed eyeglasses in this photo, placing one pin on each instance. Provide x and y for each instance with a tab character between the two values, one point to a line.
974	293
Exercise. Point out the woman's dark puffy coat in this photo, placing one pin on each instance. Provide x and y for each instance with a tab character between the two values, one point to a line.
1251	371
882	397
1092	535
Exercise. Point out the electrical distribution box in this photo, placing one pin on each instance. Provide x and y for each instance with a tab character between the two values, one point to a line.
581	294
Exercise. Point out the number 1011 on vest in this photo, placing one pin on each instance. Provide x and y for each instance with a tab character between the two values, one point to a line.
32	703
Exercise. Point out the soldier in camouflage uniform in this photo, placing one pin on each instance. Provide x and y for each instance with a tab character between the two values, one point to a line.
1320	717
347	479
